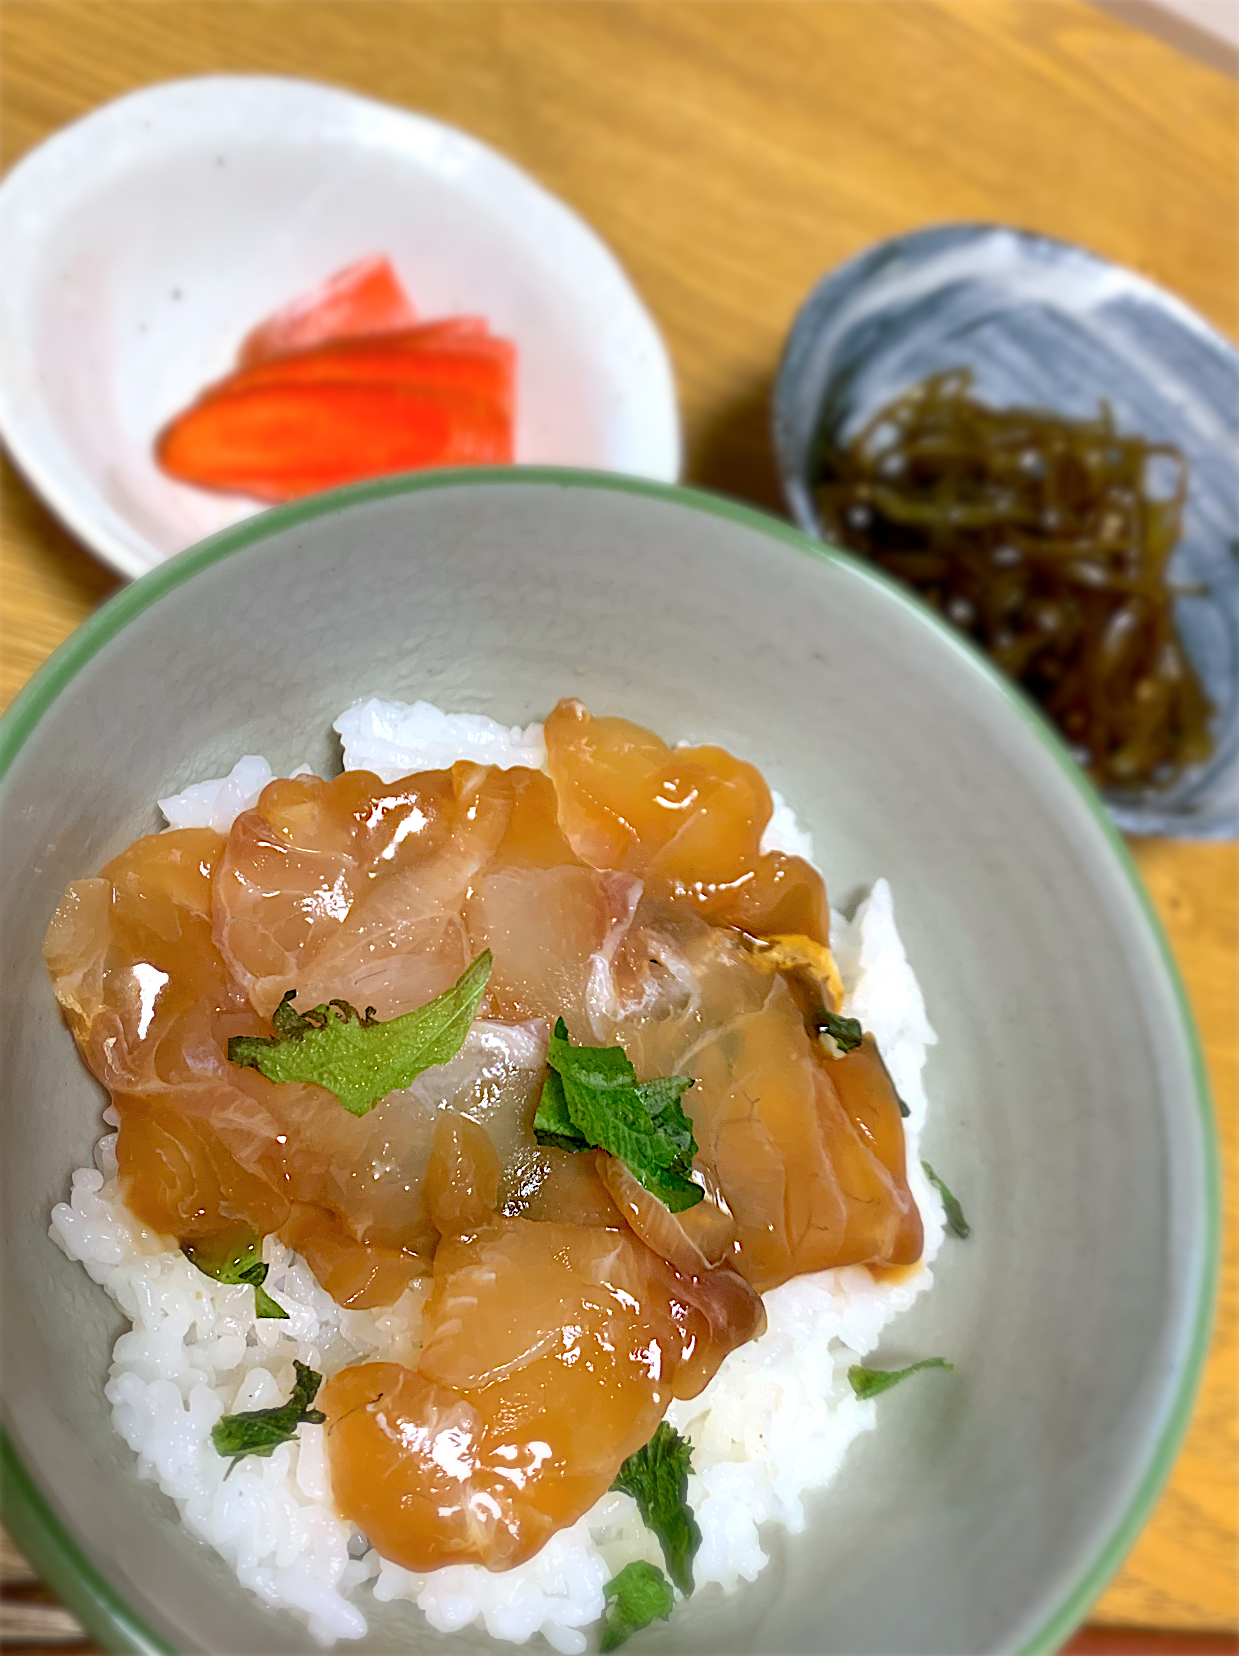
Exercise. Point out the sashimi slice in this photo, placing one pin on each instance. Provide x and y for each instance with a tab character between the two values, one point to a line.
132	961
363	298
688	821
328	886
358	1275
550	1354
807	1150
204	1143
355	888
545	928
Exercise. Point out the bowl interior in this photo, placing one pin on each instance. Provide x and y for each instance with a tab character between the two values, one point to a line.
1044	324
145	241
1066	1105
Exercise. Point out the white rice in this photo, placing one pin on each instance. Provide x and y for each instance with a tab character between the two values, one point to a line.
773	1425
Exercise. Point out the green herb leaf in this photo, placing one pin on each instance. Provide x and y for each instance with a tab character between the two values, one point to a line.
552	1125
955	1221
843	1035
846	1033
359	1059
868	1382
264	1305
236	1257
261	1431
592	1098
661	1098
657	1479
635	1597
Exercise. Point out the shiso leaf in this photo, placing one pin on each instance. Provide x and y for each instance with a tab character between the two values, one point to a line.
359	1059
635	1597
552	1125
264	1305
239	1261
870	1382
657	1479
955	1221
592	1099
261	1431
845	1033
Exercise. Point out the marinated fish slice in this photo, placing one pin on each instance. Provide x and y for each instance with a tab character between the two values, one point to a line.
758	1124
804	960
693	1241
688	820
358	1275
461	1186
809	1182
131	959
354	888
177	1173
367	1173
884	1222
203	1142
134	968
313	857
546	928
506	1297
531	837
391	952
550	1354
564	1190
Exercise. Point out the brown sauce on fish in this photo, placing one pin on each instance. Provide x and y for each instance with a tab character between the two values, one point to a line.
625	892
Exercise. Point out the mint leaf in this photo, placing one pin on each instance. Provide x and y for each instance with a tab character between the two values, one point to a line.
359	1059
657	1479
955	1221
592	1097
846	1033
236	1257
261	1431
635	1597
868	1382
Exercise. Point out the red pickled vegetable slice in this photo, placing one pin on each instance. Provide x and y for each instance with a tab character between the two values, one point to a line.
363	299
278	442
433	357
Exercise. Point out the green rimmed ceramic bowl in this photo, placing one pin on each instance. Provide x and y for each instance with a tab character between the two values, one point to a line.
1068	1097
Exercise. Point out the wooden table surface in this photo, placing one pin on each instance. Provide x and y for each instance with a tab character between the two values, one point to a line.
731	153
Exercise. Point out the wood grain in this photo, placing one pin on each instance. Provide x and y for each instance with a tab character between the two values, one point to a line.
730	153
1148	1641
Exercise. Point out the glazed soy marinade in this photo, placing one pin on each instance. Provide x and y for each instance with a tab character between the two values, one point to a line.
619	901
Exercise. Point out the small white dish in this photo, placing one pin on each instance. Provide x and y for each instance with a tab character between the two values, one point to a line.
143	242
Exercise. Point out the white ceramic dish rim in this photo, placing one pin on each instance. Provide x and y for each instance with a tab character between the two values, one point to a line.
28	428
57	1556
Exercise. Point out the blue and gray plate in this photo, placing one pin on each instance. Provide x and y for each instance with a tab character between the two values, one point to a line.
1042	323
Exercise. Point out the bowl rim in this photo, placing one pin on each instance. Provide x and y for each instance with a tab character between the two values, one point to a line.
29	1513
